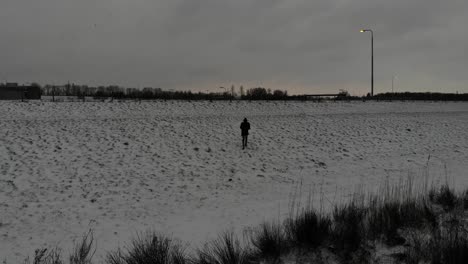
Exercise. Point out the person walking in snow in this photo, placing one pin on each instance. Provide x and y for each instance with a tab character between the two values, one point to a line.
245	126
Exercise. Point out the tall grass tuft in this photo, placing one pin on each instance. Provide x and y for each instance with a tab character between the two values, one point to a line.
46	256
84	251
226	249
447	244
450	249
396	207
465	199
445	197
348	231
308	228
150	248
82	254
269	241
386	218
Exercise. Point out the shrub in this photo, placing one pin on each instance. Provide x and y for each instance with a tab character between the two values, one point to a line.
150	249
224	250
269	241
308	229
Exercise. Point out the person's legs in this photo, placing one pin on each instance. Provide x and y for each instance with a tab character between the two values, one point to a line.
244	141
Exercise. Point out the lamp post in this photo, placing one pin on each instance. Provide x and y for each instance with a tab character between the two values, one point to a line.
372	58
393	80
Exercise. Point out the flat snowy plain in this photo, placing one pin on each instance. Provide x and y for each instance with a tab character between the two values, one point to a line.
178	168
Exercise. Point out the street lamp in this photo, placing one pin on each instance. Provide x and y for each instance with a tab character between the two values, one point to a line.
372	58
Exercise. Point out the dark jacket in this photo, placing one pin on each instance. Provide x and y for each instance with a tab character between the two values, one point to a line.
245	126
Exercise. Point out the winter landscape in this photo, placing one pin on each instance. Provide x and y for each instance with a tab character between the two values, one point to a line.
178	168
233	132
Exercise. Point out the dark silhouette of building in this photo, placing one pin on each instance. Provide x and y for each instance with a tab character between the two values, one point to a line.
13	91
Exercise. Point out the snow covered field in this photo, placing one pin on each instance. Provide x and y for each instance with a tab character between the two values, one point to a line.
178	167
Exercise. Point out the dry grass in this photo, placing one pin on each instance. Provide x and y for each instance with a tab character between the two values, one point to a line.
227	249
150	248
269	241
430	222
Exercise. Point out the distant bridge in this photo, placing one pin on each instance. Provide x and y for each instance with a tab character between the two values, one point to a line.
320	95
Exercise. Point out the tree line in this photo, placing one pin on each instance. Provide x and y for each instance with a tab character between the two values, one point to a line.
258	93
423	96
117	92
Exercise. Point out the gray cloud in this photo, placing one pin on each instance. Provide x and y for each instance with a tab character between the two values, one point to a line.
299	45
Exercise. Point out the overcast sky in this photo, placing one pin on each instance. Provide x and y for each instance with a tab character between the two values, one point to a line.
303	46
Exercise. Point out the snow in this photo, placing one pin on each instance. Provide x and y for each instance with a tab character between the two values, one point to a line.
178	168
